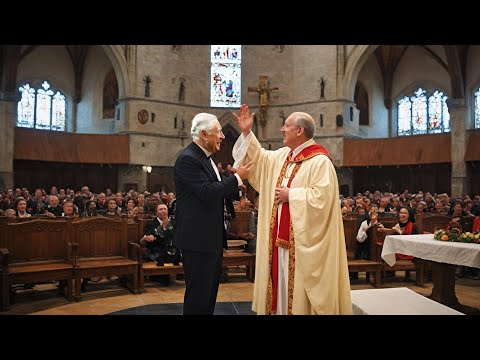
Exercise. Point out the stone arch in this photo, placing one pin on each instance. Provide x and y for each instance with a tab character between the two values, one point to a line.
361	99
116	54
110	95
226	119
231	130
356	60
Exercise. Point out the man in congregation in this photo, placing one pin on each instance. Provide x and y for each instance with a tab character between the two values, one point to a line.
301	256
199	216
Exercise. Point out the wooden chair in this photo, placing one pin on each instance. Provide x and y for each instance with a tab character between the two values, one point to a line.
36	251
102	249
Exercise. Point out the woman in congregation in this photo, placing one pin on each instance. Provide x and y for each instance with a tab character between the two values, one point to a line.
69	209
21	208
403	227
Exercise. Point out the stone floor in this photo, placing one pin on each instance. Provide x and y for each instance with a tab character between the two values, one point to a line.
234	297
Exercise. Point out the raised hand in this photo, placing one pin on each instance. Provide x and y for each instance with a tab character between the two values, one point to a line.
244	119
244	170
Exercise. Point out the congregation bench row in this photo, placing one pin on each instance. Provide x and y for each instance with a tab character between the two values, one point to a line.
68	250
426	223
71	249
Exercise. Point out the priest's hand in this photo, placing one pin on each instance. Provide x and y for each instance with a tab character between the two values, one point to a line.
281	194
244	170
244	119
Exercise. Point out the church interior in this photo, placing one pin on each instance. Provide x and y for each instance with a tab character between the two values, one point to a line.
397	120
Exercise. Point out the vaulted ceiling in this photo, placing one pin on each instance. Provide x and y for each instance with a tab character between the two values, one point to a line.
12	55
452	58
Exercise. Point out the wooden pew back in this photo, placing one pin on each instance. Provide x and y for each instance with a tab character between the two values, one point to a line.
428	223
350	230
38	240
100	237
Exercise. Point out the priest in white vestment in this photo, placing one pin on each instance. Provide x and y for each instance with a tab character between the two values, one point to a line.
301	263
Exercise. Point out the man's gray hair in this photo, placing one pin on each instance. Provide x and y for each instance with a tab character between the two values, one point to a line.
306	121
202	121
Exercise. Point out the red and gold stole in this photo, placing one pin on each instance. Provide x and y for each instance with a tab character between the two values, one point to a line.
407	230
282	236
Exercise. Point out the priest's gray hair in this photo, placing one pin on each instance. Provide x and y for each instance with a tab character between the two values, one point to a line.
306	121
202	121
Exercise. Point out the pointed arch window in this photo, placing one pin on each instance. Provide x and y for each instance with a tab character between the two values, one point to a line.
41	108
225	79
477	108
423	113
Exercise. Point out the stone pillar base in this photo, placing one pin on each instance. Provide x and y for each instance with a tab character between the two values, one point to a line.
6	180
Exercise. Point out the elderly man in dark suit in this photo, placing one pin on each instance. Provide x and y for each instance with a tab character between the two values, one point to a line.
199	227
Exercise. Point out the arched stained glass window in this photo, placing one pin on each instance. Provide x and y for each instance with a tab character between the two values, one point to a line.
404	116
226	71
477	109
42	108
422	114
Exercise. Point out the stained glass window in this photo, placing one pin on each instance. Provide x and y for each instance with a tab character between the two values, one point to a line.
225	80
41	109
404	116
477	109
422	114
26	107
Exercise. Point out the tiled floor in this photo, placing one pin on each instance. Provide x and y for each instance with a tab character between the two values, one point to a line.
234	297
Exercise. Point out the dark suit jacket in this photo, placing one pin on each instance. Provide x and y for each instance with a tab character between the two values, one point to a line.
200	197
151	226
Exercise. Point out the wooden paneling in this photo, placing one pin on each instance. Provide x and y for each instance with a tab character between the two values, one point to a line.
472	153
474	177
43	174
408	150
31	144
432	178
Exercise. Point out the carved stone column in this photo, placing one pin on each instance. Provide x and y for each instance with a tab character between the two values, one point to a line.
388	104
458	125
8	111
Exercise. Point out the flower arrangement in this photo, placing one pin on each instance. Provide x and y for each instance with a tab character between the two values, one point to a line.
454	235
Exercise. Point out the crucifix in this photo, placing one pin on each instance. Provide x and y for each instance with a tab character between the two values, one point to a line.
263	91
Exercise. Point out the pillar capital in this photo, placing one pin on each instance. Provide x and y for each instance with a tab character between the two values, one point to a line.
456	103
12	96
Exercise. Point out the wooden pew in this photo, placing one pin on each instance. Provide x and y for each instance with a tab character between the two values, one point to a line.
400	265
133	232
102	249
239	225
149	268
428	223
367	266
36	251
240	259
3	231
